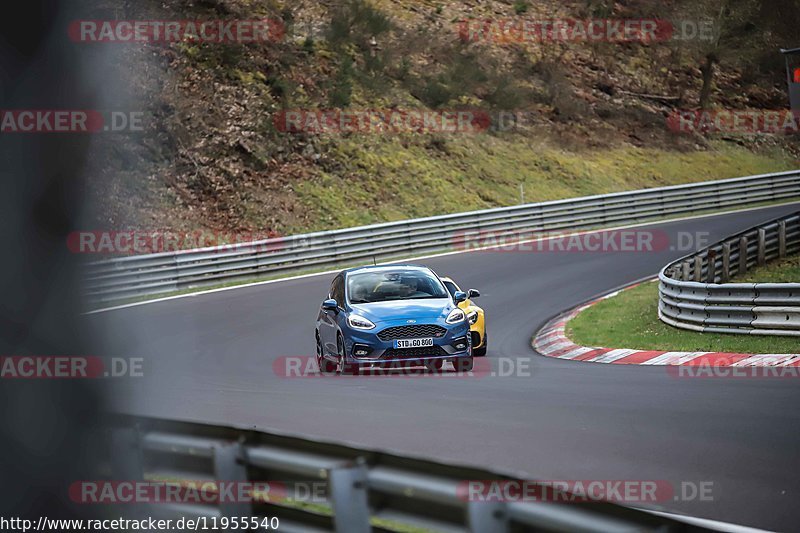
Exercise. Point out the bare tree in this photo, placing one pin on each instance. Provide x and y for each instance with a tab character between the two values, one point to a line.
741	37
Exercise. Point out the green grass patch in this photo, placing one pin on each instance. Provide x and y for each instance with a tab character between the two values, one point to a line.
388	178
786	270
630	320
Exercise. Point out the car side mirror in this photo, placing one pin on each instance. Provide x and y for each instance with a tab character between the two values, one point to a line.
473	293
460	296
330	305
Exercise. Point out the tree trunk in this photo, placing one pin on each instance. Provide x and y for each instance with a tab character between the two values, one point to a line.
708	77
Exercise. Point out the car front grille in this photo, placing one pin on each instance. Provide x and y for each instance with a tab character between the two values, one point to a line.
416	331
410	353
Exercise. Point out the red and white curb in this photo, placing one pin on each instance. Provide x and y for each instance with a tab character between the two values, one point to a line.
552	341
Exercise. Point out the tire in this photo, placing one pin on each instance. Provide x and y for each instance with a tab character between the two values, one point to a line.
481	352
464	365
325	366
342	367
434	365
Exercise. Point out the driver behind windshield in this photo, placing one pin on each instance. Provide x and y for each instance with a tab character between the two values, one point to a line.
368	287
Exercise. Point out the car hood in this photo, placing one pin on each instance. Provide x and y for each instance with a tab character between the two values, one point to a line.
405	309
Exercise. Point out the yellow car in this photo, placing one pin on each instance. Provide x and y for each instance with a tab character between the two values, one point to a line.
477	321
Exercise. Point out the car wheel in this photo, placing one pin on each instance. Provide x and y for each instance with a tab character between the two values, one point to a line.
342	367
464	365
435	365
325	366
481	352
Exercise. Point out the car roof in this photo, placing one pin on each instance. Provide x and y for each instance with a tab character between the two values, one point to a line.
383	268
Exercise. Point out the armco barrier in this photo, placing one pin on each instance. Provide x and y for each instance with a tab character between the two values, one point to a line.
361	490
694	293
142	275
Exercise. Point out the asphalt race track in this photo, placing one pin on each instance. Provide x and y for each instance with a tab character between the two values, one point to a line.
209	358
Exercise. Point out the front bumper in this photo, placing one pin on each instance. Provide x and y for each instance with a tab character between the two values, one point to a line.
454	344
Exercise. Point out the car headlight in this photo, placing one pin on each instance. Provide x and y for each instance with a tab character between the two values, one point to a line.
472	316
359	322
455	316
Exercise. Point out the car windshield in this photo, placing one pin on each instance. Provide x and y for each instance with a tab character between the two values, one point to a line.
369	287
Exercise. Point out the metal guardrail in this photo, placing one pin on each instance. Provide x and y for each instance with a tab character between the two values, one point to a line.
150	274
694	292
363	490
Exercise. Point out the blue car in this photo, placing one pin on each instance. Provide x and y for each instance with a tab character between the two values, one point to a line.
391	316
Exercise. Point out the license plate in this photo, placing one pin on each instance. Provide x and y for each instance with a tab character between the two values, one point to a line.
413	343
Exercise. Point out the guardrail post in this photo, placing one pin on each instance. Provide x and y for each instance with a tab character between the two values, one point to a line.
698	268
685	271
126	455
782	239
229	467
726	262
742	256
762	247
127	463
348	494
487	516
711	275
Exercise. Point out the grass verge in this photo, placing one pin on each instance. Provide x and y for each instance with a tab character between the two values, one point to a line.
397	179
630	320
786	270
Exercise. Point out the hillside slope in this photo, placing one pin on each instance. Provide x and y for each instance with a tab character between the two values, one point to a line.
212	157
